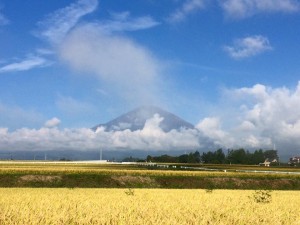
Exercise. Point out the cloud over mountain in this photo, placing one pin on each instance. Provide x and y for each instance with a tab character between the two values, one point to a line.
150	137
137	119
126	66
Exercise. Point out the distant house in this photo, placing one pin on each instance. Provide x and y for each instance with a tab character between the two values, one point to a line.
268	162
294	161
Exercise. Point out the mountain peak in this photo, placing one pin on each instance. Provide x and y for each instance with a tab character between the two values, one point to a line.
136	119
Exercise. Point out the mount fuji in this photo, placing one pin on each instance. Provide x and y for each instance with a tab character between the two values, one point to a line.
136	119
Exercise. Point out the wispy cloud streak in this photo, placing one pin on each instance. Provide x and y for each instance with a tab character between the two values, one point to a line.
189	6
56	25
245	8
53	29
25	64
124	22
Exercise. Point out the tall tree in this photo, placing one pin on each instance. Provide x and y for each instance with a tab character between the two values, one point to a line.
258	157
237	156
271	155
220	156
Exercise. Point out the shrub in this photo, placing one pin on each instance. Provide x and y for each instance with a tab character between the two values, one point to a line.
129	192
262	196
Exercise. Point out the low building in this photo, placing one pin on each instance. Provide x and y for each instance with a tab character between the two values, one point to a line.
294	161
268	162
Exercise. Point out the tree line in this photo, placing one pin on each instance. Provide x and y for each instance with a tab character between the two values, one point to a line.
234	156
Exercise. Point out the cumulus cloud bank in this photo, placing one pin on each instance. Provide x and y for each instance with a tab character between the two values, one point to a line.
265	116
151	137
262	117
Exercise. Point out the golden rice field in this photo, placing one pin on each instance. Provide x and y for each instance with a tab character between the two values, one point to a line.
145	206
110	169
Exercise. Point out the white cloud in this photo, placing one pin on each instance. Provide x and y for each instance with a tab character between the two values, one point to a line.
262	116
246	126
114	59
188	7
275	113
56	25
122	126
211	127
246	8
271	107
248	47
151	137
124	22
28	63
54	122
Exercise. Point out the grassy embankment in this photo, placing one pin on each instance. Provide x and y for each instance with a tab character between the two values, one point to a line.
134	176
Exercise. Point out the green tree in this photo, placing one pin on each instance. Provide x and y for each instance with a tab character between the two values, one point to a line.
183	158
238	156
207	157
258	157
197	157
149	158
220	156
213	157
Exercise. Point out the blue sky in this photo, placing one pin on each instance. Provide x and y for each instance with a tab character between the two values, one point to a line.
230	67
